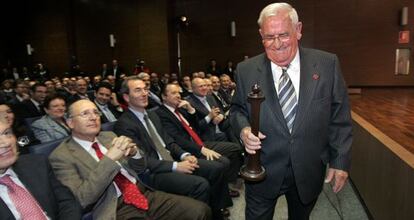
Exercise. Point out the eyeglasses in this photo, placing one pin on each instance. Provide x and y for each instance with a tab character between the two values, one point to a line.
88	114
269	40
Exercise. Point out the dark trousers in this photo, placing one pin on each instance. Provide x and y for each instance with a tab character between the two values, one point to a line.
259	207
233	152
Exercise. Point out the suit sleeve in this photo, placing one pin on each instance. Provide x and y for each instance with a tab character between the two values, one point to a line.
122	127
68	207
87	190
40	132
239	111
340	127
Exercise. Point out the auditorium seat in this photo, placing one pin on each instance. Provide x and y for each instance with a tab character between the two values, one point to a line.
45	148
108	126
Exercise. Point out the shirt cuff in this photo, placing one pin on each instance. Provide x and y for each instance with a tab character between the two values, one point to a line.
207	118
174	167
184	155
137	155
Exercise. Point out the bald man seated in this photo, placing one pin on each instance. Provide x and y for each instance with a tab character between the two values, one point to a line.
93	165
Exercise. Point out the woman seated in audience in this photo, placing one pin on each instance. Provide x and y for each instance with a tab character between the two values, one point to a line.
52	126
19	130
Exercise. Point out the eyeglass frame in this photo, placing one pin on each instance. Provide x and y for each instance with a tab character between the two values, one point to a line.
284	37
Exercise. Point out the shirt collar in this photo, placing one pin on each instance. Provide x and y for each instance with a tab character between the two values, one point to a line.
87	145
294	66
140	115
169	108
9	172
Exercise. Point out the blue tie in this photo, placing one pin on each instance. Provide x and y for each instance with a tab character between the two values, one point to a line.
287	98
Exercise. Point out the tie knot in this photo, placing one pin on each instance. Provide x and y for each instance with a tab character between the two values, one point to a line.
95	146
5	180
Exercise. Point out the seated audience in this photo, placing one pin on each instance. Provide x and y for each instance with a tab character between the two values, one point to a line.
182	125
154	100
162	153
52	126
219	95
21	92
93	165
28	187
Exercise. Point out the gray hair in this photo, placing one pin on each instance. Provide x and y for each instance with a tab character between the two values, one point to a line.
276	8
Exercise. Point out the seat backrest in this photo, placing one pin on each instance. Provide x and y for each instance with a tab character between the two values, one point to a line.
45	148
108	126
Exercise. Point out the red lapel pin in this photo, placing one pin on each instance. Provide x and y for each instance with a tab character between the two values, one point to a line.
315	76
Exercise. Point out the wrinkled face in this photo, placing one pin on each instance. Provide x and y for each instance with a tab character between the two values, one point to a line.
172	95
225	82
39	94
200	87
81	86
84	120
280	38
7	115
138	95
56	108
8	147
103	95
215	83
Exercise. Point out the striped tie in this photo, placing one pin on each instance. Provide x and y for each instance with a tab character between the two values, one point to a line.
287	98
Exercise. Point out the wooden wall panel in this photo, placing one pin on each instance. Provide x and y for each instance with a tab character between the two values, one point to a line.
363	33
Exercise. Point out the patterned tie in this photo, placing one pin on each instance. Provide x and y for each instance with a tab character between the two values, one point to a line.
287	98
24	202
129	190
189	130
165	155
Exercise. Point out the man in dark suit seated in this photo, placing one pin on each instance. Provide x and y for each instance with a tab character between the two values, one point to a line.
162	153
21	90
93	165
81	88
214	125
28	187
33	107
182	125
104	97
219	95
154	100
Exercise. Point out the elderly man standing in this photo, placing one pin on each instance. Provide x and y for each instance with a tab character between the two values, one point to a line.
305	120
28	187
93	165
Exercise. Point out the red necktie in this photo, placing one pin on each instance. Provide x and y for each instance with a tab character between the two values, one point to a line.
189	130
129	190
26	205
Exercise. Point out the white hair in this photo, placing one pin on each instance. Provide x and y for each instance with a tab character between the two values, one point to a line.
276	8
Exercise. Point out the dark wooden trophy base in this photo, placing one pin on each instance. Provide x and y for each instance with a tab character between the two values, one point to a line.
252	175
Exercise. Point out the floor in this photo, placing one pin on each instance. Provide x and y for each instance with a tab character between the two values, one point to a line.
330	206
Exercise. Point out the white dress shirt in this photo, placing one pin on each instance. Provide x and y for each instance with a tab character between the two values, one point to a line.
293	71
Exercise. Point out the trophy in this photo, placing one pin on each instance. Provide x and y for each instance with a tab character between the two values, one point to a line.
253	170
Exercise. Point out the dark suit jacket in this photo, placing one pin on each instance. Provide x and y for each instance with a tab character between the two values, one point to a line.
54	198
322	129
208	130
114	111
129	125
176	130
27	109
90	180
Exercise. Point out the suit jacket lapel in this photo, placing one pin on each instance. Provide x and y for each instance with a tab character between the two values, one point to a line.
307	86
199	105
267	84
5	212
31	184
80	154
57	128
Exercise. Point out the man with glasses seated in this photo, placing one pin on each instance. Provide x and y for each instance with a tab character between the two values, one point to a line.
93	165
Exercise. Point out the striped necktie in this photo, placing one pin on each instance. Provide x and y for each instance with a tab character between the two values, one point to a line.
287	98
